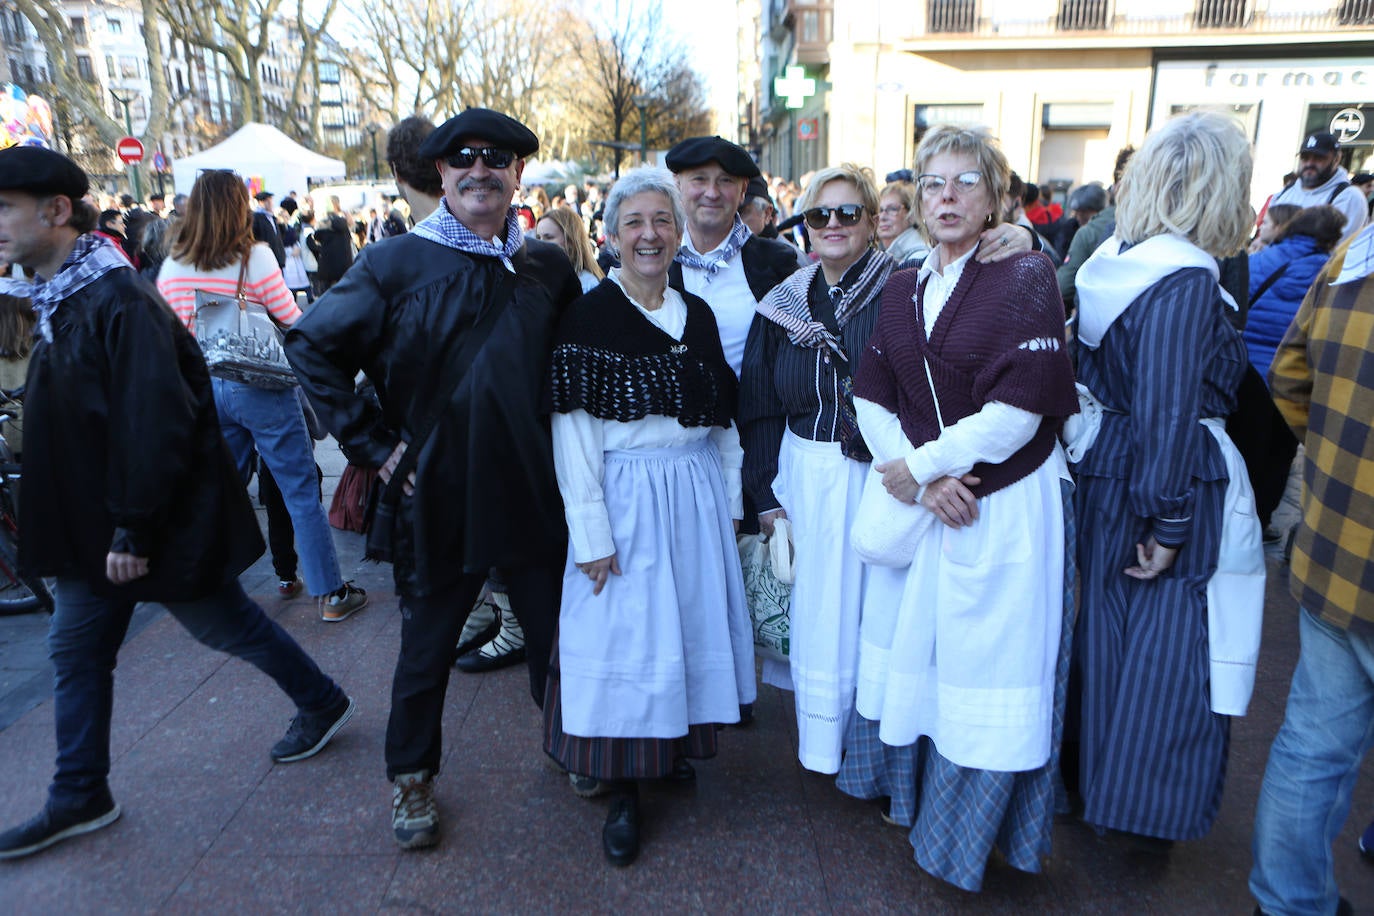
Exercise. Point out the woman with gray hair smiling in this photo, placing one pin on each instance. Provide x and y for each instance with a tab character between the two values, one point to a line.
1167	514
654	646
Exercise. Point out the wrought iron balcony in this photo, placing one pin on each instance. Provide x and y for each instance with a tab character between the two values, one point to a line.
1048	18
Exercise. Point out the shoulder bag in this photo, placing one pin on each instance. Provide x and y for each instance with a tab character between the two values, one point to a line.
240	340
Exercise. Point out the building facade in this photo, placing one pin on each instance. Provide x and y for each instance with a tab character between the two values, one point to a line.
109	52
1066	83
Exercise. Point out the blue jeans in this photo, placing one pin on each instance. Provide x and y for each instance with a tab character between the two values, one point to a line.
272	422
1305	798
84	639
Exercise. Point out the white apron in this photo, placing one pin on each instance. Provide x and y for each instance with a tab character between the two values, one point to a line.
667	643
962	645
1235	593
820	489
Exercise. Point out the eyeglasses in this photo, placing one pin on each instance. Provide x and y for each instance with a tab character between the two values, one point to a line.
466	158
964	182
848	215
891	209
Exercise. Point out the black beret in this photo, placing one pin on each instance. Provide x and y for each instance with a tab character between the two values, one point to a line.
758	188
696	151
264	195
41	171
501	131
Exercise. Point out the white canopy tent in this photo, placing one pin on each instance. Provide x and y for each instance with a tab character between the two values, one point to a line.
266	158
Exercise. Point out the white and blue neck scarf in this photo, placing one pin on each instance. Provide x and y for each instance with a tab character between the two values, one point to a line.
443	227
92	258
788	305
719	257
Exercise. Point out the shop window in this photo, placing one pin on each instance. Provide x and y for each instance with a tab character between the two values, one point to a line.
928	116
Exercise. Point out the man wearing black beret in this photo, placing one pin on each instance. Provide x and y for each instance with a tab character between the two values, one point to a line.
453	321
720	260
129	491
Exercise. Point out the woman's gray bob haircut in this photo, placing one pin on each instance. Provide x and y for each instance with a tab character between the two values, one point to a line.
637	181
1191	178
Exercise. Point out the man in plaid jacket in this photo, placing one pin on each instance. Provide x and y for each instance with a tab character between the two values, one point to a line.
1322	380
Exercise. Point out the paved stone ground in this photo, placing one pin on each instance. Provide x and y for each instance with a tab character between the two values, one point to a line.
211	825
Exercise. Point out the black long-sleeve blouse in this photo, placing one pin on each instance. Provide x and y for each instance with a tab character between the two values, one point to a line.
784	386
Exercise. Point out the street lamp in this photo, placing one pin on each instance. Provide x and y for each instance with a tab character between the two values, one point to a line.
129	131
372	131
642	102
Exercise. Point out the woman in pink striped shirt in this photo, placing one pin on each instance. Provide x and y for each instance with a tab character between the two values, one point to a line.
210	246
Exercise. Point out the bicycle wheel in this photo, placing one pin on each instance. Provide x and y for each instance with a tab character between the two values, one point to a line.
18	596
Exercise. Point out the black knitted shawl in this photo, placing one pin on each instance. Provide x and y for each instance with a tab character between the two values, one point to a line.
616	364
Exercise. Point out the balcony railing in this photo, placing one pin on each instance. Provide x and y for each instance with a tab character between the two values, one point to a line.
1083	15
1221	14
1047	18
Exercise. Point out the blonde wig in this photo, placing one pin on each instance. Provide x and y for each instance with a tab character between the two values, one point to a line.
1191	178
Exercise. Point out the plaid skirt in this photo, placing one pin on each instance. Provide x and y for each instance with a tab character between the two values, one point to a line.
958	815
613	759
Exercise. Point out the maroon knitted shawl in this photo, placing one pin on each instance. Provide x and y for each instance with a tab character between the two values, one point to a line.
999	338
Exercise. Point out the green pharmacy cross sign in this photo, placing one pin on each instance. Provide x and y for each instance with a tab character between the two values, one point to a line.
794	88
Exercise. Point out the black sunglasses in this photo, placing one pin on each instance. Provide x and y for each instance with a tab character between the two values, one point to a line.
466	158
819	217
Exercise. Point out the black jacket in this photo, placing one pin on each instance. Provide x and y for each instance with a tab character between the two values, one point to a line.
485	492
123	451
332	245
265	230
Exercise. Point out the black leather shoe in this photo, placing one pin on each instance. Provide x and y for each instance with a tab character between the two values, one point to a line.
620	836
682	772
478	661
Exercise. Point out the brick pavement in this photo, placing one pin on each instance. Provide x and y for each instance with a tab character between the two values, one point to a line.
211	825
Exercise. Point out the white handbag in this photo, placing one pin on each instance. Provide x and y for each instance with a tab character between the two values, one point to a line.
886	530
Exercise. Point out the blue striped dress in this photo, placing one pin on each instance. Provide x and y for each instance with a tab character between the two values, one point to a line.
1153	754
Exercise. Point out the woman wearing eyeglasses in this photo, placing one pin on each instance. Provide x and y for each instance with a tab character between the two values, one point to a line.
896	235
963	654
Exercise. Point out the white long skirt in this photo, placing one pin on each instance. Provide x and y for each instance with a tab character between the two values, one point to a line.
961	646
820	489
667	643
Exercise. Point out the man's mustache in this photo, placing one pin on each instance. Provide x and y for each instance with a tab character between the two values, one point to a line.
491	183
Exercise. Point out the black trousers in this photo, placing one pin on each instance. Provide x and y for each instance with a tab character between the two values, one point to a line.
281	534
1264	441
430	626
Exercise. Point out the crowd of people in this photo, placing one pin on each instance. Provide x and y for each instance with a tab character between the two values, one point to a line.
1026	458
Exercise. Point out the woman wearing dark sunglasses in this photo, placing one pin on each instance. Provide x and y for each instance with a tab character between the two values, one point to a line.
963	655
804	459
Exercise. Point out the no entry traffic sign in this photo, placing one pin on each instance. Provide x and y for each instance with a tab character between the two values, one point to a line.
129	150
